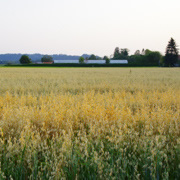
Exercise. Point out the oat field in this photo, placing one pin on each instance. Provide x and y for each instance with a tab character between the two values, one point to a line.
89	123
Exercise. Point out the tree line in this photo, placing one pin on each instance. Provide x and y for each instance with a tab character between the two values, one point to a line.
154	57
144	57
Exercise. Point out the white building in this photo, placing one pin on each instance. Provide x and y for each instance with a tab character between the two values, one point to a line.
66	61
93	61
118	61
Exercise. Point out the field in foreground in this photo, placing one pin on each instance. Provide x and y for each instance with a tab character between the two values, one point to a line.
107	123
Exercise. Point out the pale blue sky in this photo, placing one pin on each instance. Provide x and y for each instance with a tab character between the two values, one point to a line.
87	26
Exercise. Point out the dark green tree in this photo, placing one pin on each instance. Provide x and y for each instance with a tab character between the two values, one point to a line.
154	57
124	52
151	58
147	51
92	57
47	58
25	59
121	54
171	55
81	60
116	53
106	59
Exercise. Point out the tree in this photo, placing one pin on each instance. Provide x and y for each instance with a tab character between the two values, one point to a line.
47	58
120	54
124	52
147	51
25	59
143	52
81	60
107	59
154	57
137	52
92	57
171	55
116	53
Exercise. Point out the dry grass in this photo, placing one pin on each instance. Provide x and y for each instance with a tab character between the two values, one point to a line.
88	123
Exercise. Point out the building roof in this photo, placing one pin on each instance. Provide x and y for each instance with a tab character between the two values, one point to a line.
93	61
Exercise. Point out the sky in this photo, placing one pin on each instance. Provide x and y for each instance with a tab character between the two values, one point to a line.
75	27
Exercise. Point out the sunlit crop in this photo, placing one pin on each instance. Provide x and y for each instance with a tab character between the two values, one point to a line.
89	123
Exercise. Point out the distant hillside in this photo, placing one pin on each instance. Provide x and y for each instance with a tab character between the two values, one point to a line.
14	58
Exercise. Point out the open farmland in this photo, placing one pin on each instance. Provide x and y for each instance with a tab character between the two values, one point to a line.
89	123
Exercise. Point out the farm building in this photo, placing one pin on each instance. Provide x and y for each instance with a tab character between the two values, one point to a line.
93	61
48	62
66	61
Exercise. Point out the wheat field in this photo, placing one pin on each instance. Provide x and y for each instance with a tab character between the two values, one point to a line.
89	123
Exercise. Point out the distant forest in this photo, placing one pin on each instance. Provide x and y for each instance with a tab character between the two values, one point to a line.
14	58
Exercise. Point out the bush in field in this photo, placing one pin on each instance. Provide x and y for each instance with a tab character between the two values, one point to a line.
25	59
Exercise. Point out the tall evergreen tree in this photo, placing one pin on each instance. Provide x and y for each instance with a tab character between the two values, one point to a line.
171	56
